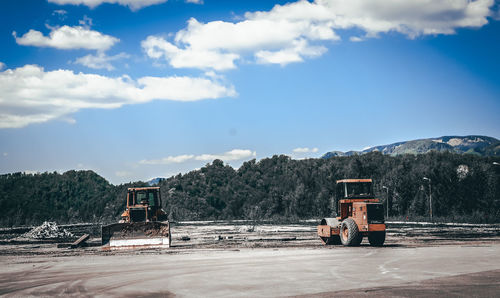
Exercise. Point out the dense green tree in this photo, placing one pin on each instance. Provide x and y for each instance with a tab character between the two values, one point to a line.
464	187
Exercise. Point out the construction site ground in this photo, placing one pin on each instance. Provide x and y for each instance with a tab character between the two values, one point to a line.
246	259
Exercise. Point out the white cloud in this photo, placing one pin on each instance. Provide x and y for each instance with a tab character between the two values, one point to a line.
30	95
60	13
496	12
157	47
123	174
132	4
31	172
409	17
66	38
235	154
168	160
291	32
100	61
86	22
2	65
305	150
219	44
195	1
298	50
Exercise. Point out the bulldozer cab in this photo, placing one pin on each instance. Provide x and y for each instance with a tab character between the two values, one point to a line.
144	196
143	204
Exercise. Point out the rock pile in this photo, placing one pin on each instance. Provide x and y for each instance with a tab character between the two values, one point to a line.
246	229
48	230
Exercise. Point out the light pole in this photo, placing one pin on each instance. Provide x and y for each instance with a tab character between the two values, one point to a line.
387	200
430	196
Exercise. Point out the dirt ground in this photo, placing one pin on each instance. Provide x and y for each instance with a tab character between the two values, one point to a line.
230	259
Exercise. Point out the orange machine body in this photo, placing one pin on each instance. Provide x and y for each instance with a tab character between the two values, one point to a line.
359	213
143	223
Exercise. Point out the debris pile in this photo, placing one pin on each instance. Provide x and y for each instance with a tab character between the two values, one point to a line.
246	229
48	230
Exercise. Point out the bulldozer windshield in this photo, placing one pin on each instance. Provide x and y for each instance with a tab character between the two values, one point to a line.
146	197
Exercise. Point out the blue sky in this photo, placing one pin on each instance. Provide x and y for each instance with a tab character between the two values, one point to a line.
142	89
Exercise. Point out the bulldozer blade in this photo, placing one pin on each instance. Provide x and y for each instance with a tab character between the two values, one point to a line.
136	235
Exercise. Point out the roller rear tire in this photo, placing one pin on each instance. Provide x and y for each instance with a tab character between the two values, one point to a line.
376	238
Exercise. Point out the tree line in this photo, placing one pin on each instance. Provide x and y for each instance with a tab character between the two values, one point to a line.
464	188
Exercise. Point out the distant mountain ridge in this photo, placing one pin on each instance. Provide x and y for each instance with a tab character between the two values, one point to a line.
479	145
155	181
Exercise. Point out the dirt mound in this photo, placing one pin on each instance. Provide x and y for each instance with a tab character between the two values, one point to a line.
48	230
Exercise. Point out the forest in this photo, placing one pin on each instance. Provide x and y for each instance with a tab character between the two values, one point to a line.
464	188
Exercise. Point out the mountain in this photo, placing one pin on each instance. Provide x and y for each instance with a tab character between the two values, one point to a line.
155	181
479	145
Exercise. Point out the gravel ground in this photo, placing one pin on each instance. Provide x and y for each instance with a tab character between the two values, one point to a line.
229	259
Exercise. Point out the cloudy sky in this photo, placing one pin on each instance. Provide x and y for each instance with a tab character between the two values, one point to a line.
135	89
